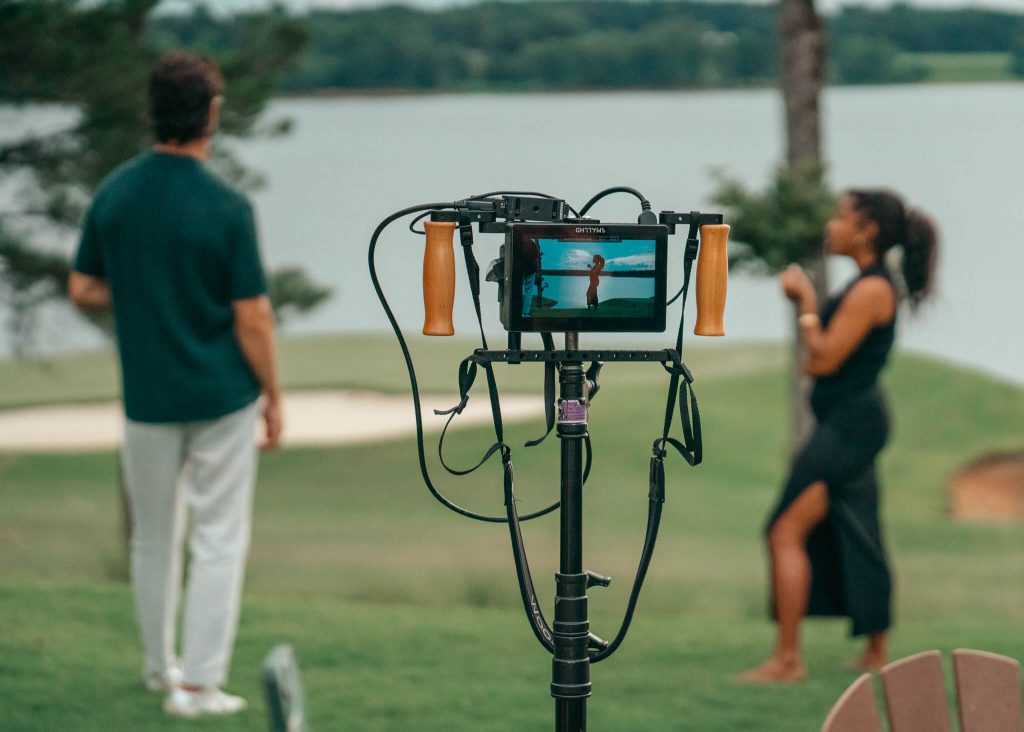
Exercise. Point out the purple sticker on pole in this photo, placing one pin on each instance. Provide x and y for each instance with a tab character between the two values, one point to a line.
572	411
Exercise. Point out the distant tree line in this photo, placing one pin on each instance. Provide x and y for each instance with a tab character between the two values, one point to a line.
543	44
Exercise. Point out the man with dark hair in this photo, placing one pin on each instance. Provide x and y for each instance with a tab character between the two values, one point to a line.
173	251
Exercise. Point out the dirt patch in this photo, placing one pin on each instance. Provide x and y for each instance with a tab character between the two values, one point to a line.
989	488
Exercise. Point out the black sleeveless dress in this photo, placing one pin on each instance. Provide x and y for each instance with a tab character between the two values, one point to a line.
849	572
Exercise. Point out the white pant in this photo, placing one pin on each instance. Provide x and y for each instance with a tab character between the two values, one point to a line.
210	466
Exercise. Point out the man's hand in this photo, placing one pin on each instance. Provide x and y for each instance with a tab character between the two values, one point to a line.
273	421
88	292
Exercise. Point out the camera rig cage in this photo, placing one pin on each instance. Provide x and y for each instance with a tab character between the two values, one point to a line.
517	215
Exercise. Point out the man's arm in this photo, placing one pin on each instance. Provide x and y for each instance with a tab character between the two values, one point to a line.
88	292
254	330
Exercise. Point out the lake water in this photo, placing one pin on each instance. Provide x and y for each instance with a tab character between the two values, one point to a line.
955	151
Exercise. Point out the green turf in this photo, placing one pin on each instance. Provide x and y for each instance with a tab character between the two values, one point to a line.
960	67
372	362
67	662
406	617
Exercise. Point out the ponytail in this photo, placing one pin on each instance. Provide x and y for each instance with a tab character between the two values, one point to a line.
920	255
913	231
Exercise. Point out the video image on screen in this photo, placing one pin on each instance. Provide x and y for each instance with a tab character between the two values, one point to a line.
588	279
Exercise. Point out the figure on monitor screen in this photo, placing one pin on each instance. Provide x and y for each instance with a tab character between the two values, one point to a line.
595	280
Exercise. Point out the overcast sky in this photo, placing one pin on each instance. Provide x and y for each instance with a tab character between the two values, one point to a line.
824	5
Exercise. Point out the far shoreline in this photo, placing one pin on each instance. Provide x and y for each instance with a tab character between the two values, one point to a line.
398	92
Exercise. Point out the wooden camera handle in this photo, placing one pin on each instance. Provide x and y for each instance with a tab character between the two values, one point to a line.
712	280
439	278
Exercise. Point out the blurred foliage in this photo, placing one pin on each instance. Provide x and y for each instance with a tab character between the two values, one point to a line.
94	56
568	44
30	278
869	60
929	30
94	59
532	44
293	293
1017	57
779	226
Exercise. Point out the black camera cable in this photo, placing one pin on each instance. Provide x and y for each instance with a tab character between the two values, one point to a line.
417	407
645	205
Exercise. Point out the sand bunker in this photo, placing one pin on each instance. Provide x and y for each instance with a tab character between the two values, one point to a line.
311	418
989	488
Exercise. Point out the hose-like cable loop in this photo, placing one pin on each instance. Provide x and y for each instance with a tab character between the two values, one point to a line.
371	256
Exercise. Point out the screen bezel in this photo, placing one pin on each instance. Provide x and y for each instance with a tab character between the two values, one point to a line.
576	324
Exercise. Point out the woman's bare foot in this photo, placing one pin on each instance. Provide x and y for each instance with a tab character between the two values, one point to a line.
775	671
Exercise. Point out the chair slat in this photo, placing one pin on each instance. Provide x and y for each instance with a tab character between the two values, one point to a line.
915	694
988	692
855	710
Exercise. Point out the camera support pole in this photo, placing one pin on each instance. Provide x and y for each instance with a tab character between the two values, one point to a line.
569	639
570	667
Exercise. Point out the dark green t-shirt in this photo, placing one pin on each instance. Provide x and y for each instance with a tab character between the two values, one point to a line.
176	246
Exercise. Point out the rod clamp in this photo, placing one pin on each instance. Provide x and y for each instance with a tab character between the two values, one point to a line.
592	383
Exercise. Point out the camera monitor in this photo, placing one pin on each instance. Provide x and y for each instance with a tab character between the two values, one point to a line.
585	277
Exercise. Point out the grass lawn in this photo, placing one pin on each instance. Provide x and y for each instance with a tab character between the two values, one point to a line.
406	617
961	67
371	362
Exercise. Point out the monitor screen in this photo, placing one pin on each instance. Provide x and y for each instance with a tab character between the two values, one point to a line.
601	277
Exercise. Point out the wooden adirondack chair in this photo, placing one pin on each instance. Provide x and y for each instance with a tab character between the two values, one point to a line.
988	695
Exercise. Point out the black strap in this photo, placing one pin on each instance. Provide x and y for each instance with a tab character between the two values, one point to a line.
550	370
472	270
468	366
467	377
655	503
689	255
691	448
538	623
680	389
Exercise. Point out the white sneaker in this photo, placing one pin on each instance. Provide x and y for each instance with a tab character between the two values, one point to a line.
163	681
208	700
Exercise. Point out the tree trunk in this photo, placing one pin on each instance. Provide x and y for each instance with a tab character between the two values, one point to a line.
802	76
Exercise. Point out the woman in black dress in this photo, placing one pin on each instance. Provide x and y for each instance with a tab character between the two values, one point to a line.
824	540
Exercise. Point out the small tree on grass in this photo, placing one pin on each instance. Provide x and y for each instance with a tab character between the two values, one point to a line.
293	293
772	229
784	223
781	224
